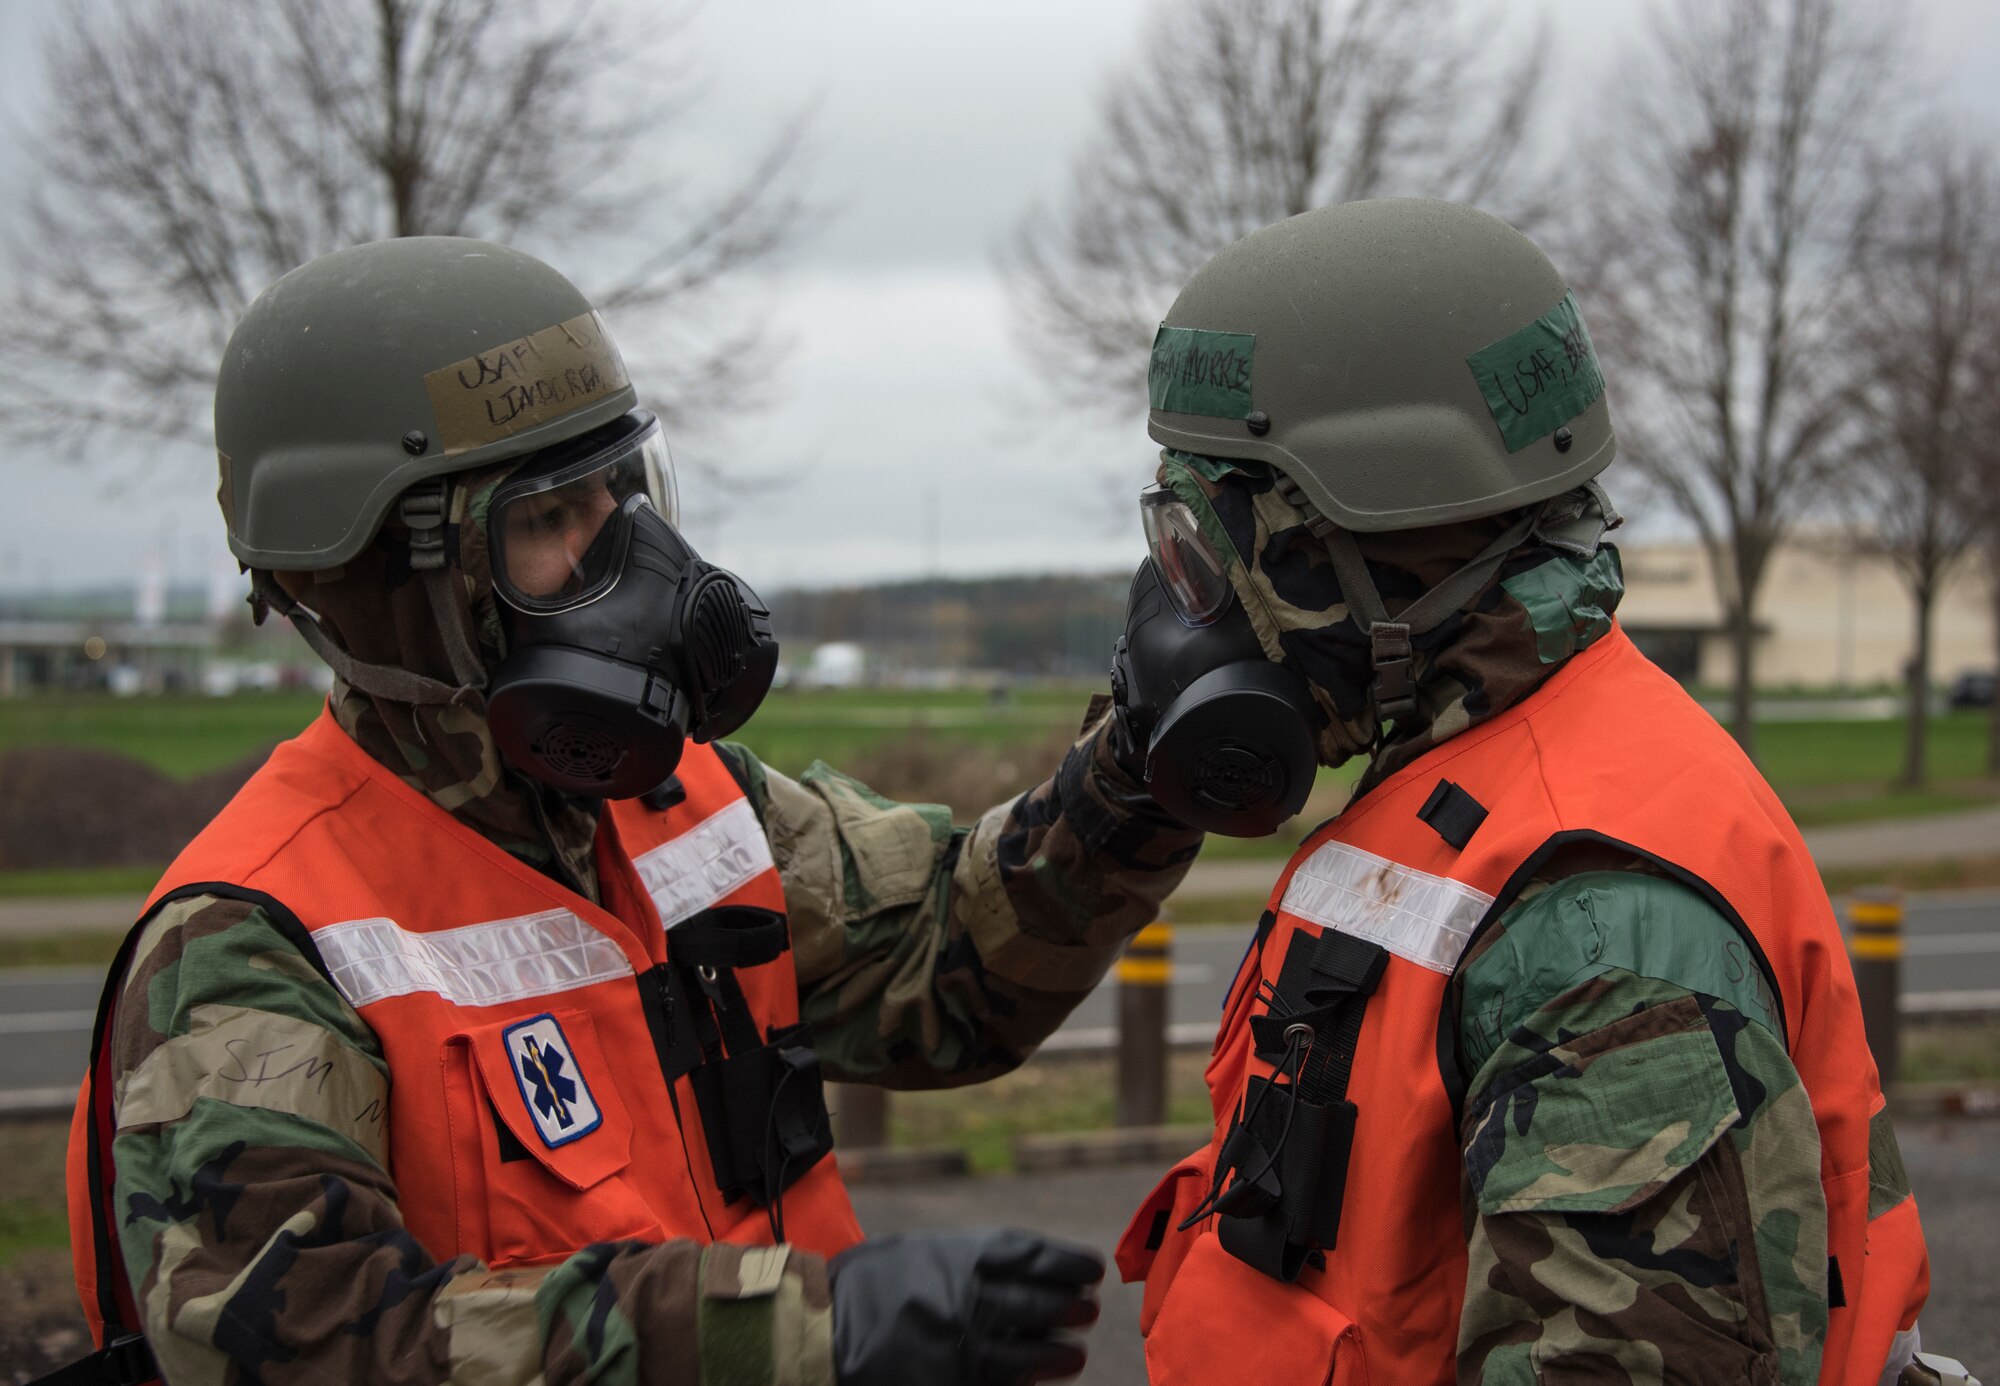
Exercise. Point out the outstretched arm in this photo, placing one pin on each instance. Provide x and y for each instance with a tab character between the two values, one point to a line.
930	955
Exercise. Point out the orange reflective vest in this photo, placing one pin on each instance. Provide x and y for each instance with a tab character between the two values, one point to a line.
1610	750
552	1062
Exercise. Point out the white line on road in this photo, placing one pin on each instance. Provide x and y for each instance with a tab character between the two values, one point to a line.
1945	945
1933	1002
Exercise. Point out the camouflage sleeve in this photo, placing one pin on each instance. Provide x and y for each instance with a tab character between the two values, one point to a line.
1641	1190
261	1232
930	956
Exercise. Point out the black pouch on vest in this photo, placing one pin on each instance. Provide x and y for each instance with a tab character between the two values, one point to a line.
1288	1151
764	1112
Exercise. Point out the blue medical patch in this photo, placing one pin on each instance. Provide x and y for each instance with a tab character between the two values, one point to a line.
552	1086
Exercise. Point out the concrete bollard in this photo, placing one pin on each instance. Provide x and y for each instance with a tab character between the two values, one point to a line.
1876	945
1143	977
860	1115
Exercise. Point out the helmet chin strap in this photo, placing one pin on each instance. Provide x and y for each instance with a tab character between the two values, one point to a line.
423	510
1394	690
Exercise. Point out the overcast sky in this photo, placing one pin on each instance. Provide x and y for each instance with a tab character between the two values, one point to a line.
939	124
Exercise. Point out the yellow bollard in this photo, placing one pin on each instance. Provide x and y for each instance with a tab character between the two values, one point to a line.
1875	942
1144	973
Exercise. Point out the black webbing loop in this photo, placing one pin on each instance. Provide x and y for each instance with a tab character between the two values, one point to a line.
730	937
1453	813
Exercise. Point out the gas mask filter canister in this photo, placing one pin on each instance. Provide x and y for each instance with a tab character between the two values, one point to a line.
622	641
1225	736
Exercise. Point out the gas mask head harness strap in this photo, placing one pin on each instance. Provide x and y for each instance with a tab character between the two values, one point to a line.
422	510
1222	736
1394	689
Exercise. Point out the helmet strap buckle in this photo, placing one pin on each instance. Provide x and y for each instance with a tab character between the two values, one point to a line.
1394	690
422	509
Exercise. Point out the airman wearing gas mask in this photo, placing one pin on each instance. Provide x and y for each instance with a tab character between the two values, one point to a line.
482	1036
1545	1062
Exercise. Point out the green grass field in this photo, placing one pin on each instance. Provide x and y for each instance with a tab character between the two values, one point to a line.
1827	771
185	735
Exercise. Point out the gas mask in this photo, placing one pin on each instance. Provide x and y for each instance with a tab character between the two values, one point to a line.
1224	736
622	642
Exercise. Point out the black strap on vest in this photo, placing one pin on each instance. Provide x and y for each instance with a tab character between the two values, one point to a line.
729	937
761	1098
1455	814
1289	1146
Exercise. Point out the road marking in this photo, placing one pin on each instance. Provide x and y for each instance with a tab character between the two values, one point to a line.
1933	1002
1944	946
46	1022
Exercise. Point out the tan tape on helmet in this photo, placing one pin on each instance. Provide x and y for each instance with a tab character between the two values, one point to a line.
526	382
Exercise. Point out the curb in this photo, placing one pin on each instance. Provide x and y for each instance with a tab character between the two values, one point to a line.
35	1104
888	1164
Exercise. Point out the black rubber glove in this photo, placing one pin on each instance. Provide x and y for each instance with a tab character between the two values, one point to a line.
961	1309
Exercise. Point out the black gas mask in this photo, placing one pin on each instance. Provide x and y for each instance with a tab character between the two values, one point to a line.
622	641
1225	737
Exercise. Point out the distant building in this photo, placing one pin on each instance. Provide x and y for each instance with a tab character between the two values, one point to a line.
121	656
1828	615
836	664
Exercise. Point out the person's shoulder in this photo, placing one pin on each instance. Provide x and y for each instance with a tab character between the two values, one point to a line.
1622	929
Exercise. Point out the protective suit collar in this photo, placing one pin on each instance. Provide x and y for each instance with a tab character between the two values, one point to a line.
1549	593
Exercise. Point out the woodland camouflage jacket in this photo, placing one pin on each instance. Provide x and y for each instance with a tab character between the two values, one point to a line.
264	1245
1711	1276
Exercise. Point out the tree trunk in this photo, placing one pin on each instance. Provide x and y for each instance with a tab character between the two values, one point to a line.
1993	724
1742	679
1917	712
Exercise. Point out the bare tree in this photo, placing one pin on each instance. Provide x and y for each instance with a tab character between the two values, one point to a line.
1241	113
194	150
1717	247
1930	293
1982	498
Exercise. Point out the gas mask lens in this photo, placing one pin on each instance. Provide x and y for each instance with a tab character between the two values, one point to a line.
1190	570
560	525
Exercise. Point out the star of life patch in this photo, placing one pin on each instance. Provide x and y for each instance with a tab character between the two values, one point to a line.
553	1087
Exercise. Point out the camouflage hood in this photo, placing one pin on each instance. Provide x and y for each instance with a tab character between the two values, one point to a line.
1551	596
379	612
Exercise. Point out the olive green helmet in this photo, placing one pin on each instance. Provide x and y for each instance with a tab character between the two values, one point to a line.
1406	363
372	369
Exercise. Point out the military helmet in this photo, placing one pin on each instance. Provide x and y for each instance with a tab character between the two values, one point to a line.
1406	362
367	371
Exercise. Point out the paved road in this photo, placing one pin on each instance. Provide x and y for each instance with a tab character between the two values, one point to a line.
1952	950
1952	1167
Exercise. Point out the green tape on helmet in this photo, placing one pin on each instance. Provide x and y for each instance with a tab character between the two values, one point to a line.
1198	372
1539	378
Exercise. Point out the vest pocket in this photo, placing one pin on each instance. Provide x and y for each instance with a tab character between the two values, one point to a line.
1223	1321
1151	1250
553	1138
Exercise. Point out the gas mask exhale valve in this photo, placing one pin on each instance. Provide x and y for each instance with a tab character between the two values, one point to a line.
1225	735
622	641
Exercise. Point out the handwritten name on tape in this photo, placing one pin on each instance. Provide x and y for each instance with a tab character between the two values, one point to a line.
525	382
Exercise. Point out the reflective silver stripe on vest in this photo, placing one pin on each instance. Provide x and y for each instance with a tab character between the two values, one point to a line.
474	965
724	852
1419	917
